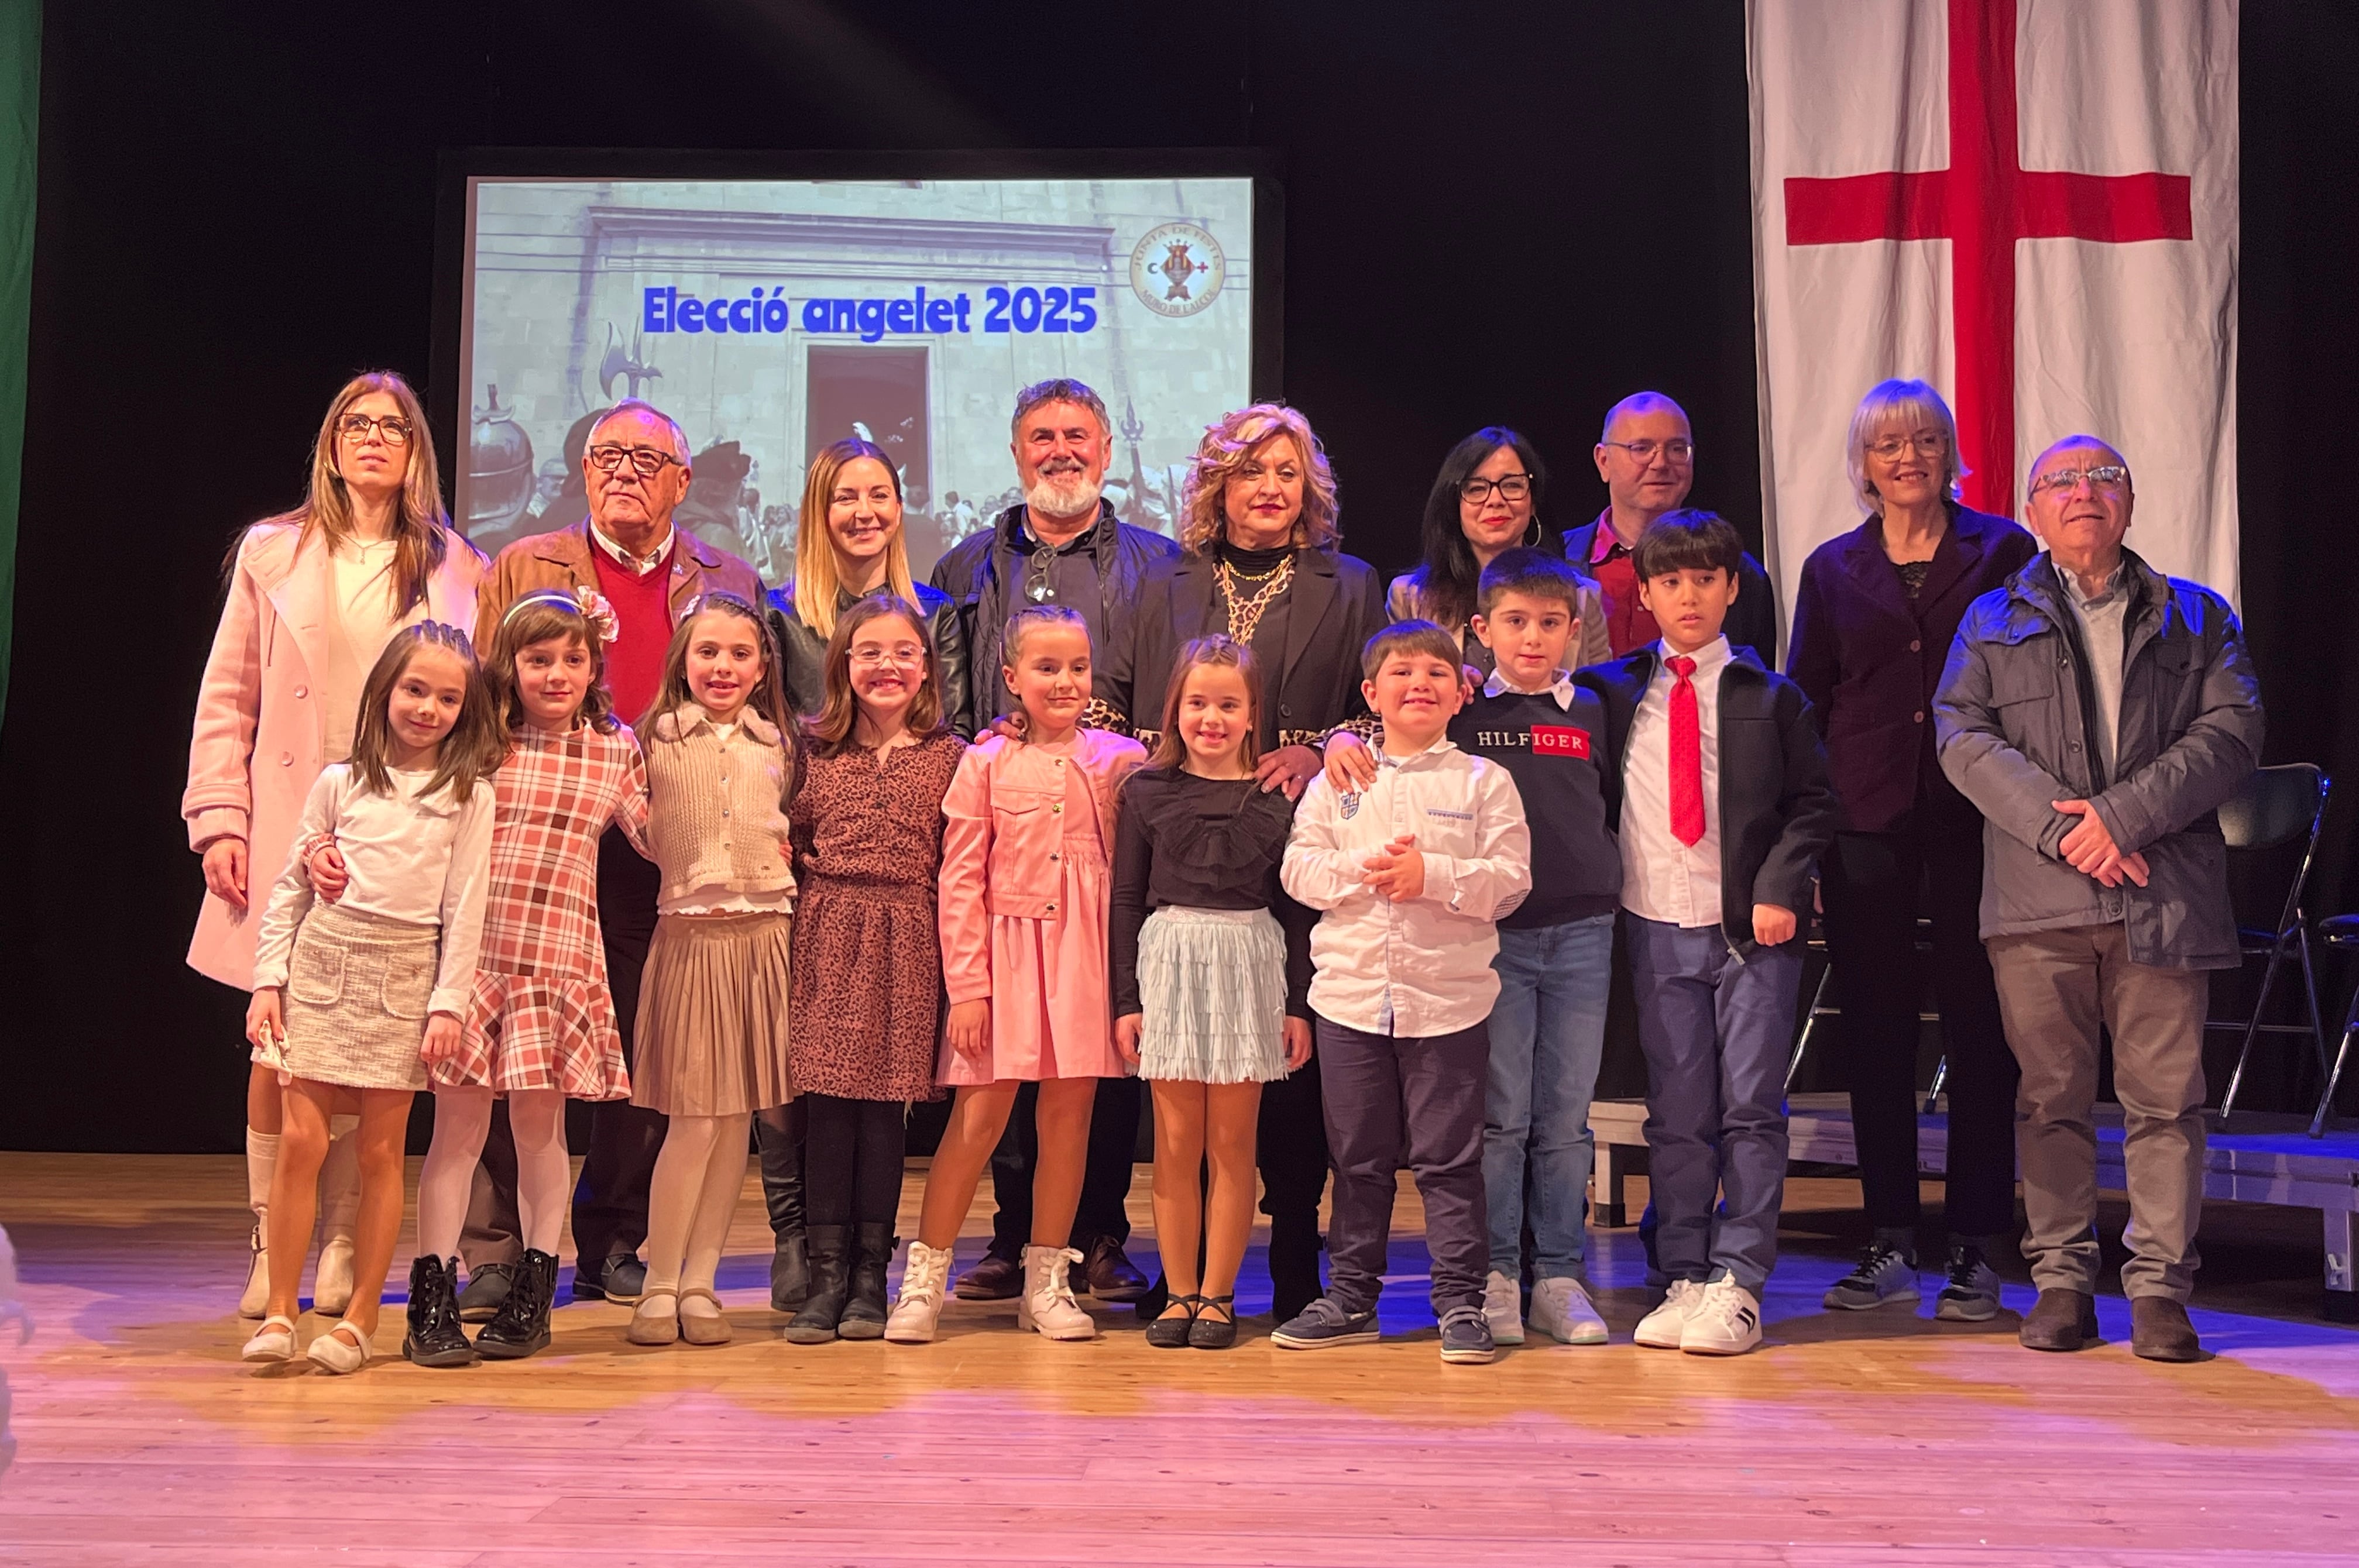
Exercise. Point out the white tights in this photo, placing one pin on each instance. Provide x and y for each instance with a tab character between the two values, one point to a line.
544	1174
691	1200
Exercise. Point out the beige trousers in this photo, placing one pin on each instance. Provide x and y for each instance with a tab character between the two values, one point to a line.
2054	989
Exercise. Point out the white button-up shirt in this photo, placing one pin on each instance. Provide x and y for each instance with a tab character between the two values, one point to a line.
1663	879
1560	686
1423	967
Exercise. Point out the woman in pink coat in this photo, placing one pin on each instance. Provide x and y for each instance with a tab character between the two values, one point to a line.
314	595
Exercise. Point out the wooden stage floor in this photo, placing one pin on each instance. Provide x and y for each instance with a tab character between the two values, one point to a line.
1850	1438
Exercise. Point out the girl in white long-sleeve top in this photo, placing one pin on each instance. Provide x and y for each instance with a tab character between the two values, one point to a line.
348	995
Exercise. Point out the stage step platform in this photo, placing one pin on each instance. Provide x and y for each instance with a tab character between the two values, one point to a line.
2262	1159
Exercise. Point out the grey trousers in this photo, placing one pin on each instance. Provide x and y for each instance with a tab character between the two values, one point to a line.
2054	989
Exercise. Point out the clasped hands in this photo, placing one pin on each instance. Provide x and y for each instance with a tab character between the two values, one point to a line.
2090	848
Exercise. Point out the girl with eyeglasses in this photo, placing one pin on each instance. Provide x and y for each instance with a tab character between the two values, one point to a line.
865	1004
315	594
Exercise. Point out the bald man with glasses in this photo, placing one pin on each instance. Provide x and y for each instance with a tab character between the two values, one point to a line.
2098	713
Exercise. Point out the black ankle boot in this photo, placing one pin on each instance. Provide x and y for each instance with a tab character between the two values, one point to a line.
790	1271
434	1337
863	1314
831	1282
522	1326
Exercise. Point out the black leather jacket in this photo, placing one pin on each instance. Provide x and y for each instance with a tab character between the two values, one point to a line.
804	650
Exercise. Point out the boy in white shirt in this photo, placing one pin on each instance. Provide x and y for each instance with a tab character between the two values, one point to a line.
1410	875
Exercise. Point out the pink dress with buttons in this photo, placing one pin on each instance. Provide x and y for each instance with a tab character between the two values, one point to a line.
1026	896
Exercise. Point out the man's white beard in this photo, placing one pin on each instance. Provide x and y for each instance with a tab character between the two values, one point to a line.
1064	495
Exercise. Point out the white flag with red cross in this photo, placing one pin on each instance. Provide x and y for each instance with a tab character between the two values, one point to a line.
2030	204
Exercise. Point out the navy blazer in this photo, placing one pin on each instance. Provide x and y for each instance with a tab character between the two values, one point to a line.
1870	660
1777	811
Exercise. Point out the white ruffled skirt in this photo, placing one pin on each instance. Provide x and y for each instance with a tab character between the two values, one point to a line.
1212	988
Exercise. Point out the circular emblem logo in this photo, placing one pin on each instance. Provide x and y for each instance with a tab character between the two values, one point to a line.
1177	269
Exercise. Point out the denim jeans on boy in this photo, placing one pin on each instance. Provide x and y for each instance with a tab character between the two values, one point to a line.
1715	1029
1548	1035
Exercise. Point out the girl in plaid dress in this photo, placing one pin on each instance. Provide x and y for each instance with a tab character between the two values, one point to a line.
540	1021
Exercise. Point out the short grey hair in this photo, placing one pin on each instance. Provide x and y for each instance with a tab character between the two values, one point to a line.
1059	389
1640	403
641	406
1903	403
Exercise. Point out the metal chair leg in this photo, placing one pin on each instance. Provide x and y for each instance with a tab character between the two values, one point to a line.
1940	1077
2253	1028
1810	1026
2335	1077
2309	997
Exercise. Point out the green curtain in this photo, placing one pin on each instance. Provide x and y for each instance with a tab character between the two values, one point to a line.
20	116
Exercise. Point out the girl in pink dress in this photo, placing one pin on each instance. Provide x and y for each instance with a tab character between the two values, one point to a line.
1025	897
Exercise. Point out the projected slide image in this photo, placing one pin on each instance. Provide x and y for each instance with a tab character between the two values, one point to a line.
773	316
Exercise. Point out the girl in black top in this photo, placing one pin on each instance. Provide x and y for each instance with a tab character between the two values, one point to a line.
1210	995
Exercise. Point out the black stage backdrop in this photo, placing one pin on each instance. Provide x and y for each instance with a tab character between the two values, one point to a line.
1516	213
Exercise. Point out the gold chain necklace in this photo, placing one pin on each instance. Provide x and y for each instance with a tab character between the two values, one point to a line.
1245	612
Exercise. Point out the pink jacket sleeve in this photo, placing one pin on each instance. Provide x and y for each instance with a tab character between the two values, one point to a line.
965	916
219	802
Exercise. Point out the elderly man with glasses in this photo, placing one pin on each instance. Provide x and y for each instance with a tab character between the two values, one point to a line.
2098	713
1060	545
635	468
1645	454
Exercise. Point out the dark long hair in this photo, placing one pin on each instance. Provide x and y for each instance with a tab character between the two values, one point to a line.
1219	652
477	743
767	699
1445	581
838	719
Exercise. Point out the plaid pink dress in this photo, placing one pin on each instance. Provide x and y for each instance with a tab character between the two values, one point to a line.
540	1016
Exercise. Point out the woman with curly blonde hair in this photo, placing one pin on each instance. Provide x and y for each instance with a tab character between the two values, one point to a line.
1259	564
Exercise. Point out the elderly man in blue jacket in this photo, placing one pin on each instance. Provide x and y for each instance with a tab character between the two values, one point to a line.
2098	713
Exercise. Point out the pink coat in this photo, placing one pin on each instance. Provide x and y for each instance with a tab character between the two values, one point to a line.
259	737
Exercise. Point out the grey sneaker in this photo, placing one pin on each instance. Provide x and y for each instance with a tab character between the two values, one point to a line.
1322	1325
487	1288
1466	1338
1503	1309
1883	1273
1970	1293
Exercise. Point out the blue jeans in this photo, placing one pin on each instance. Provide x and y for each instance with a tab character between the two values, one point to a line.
1548	1034
1715	1029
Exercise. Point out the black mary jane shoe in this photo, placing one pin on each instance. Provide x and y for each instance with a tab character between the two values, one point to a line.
434	1338
1173	1333
1213	1332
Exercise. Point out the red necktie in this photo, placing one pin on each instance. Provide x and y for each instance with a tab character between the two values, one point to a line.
1687	753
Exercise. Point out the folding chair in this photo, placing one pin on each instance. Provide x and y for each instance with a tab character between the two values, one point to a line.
1820	1007
2337	930
2278	807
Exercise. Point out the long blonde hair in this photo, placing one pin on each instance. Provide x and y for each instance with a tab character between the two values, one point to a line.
1222	452
816	581
421	528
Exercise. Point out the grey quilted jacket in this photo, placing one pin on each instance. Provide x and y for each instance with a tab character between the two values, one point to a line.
2014	716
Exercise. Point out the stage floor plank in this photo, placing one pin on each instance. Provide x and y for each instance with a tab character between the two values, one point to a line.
1851	1438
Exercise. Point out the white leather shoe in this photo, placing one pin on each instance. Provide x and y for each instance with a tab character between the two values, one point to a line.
1562	1311
1047	1303
1503	1309
925	1282
1726	1321
274	1341
331	1353
332	1287
1662	1328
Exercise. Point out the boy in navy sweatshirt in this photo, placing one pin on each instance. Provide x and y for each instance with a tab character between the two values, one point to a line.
1722	804
1556	951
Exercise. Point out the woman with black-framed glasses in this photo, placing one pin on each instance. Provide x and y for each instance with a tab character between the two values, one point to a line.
1485	500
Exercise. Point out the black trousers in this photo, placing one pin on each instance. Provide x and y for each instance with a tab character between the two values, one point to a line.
610	1205
1106	1180
1876	885
851	1159
1291	1150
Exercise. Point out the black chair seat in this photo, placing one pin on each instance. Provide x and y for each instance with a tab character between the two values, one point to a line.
2342	930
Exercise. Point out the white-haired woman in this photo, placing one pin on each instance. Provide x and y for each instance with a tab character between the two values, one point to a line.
314	596
1874	617
1258	563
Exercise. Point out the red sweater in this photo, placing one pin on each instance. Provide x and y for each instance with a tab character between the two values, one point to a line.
643	612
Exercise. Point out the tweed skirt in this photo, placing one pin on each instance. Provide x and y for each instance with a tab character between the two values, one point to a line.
357	986
1212	990
712	1032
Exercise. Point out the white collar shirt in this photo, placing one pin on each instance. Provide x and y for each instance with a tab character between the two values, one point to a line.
638	565
1560	686
1421	967
1662	879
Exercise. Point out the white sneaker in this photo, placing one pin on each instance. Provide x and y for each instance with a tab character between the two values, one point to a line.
1726	1321
1047	1303
925	1282
1503	1309
1663	1328
1562	1311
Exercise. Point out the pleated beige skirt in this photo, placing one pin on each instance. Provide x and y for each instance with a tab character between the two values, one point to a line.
712	1032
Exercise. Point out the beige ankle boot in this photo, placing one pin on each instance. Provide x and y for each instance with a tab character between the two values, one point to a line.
340	1205
261	1166
1047	1303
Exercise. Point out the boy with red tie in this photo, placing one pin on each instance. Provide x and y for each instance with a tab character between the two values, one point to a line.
1724	806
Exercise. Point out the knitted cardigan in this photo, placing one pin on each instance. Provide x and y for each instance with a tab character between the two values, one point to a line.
719	815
